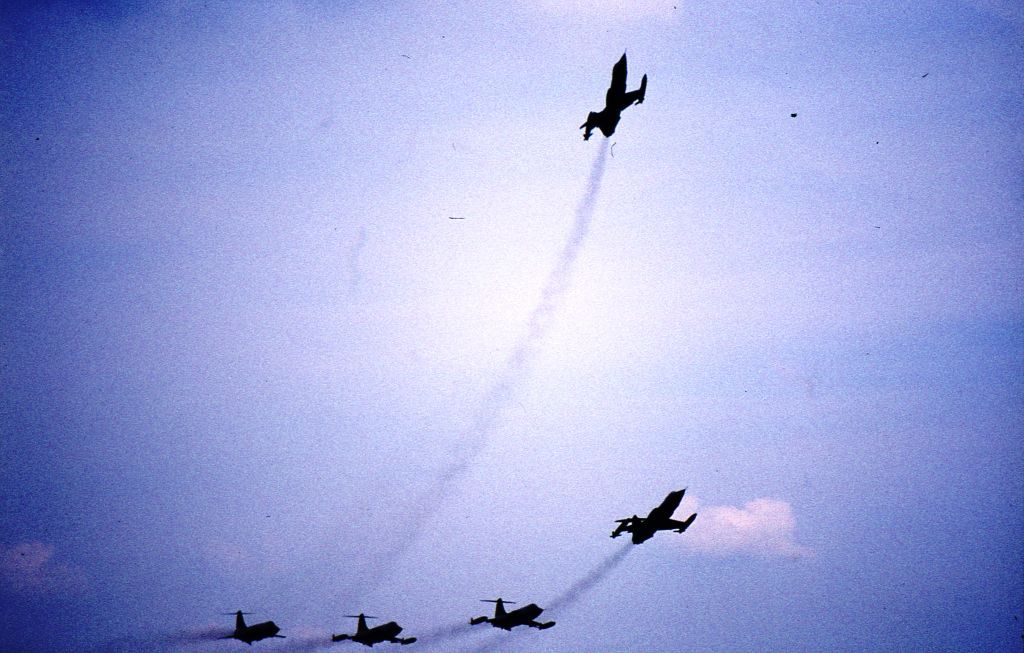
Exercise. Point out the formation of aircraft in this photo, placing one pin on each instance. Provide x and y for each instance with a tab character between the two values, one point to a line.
253	633
369	636
642	529
659	519
524	616
615	101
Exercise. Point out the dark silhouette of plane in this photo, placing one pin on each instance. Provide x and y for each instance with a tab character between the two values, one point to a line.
369	636
615	101
524	616
253	633
659	519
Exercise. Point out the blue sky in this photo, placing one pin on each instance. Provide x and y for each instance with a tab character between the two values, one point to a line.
243	341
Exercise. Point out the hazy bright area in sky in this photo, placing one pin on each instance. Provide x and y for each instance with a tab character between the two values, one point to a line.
305	312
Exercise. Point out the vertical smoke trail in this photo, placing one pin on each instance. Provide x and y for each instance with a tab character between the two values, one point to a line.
473	440
475	437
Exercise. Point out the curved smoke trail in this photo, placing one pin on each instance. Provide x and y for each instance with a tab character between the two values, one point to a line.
474	438
571	595
590	580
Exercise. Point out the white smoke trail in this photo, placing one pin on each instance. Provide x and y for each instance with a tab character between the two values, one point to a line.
473	440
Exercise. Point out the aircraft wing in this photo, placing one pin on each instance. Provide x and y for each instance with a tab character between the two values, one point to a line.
676	525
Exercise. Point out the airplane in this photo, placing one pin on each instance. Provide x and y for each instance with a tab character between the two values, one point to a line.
369	636
524	616
615	101
659	519
253	633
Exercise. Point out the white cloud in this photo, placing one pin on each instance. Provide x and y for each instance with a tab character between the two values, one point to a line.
28	567
763	527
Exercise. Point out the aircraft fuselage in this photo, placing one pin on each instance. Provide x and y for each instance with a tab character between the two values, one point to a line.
616	100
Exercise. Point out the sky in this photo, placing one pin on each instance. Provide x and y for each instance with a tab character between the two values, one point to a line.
312	309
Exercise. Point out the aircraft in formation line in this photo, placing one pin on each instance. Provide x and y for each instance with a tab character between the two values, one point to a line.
524	616
659	519
253	633
615	101
641	528
369	636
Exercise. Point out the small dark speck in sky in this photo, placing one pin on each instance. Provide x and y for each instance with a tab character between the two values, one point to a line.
407	56
924	75
792	115
450	217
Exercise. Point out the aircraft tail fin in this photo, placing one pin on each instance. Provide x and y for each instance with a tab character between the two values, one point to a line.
642	91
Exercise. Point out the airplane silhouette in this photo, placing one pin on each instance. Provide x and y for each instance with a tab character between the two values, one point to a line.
253	633
615	101
369	636
524	616
659	519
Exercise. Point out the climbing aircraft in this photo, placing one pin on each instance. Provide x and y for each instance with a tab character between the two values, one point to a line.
615	101
659	519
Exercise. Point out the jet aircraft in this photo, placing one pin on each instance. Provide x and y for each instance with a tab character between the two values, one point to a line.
524	616
659	519
253	633
369	636
615	101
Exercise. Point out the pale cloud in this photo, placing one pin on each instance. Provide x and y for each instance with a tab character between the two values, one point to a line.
29	567
763	527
